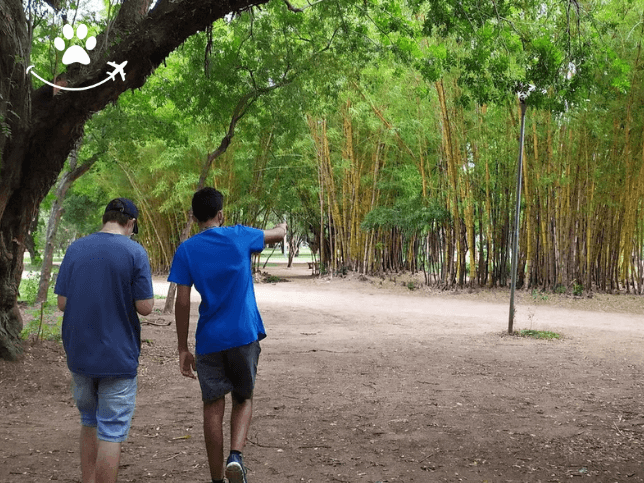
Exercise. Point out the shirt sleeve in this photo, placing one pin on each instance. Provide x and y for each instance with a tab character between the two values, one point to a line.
143	288
61	279
180	270
256	239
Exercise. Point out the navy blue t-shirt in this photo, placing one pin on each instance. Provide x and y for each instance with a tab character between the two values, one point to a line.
217	262
102	275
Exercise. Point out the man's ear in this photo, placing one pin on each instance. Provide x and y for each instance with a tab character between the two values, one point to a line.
220	216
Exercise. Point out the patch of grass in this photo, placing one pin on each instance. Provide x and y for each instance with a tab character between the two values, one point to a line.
157	296
538	334
49	329
560	289
578	289
43	323
537	295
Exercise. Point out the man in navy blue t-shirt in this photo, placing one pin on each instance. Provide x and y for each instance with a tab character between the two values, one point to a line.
103	282
217	261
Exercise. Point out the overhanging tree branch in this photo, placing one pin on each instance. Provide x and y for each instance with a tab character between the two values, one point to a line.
240	110
39	130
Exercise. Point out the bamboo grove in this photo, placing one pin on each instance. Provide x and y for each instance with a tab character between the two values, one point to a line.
394	171
582	197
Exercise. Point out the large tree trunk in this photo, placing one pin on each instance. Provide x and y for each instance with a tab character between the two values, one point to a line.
38	130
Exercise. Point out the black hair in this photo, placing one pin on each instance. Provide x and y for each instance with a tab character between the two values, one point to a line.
206	203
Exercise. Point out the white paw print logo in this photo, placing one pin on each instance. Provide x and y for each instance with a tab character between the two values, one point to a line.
75	53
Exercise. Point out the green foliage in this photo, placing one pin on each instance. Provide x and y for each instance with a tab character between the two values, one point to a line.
48	24
577	289
375	65
5	129
408	216
43	322
50	329
29	288
500	48
559	289
408	211
83	214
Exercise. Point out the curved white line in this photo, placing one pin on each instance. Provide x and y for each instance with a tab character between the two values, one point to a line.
67	88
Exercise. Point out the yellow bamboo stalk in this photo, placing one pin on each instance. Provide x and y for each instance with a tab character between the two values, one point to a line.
488	218
546	214
147	212
528	174
452	170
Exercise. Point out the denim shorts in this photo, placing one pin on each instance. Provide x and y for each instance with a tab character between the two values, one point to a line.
232	370
105	403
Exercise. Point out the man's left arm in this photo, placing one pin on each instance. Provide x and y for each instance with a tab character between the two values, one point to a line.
144	307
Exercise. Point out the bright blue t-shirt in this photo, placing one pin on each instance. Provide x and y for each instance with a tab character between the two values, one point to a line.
217	262
102	275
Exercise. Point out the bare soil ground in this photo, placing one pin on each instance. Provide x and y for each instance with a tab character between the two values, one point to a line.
364	380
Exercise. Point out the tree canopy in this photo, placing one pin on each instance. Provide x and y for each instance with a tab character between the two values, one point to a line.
386	130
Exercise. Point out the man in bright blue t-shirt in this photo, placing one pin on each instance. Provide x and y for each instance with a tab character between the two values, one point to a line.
103	282
217	261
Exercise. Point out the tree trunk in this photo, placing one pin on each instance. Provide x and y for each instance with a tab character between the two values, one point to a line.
242	107
38	130
64	184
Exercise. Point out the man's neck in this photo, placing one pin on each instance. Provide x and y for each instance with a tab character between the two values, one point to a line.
114	228
214	222
209	224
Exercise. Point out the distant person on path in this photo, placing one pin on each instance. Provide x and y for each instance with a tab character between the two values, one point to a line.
104	280
217	261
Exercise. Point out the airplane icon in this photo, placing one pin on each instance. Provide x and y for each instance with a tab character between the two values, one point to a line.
118	69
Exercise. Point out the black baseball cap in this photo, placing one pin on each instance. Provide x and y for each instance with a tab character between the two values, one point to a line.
126	207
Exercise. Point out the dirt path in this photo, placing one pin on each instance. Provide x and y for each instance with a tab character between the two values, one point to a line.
367	381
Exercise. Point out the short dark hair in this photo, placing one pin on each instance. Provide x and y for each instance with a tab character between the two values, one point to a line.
121	210
117	216
206	203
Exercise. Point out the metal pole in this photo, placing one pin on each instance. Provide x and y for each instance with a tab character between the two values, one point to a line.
515	242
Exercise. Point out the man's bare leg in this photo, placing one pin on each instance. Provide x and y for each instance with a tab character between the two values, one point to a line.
88	452
213	418
107	461
240	418
99	459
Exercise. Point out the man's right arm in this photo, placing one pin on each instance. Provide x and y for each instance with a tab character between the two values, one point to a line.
182	319
62	303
